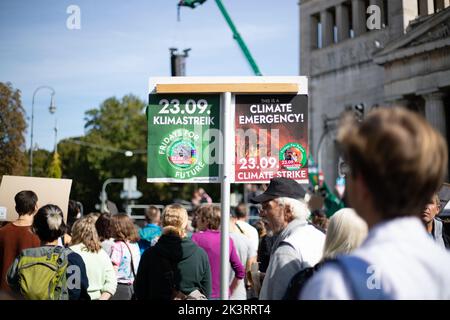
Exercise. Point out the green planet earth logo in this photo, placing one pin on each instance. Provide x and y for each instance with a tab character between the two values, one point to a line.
182	154
292	156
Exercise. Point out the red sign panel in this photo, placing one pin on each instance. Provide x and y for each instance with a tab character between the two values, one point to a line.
271	138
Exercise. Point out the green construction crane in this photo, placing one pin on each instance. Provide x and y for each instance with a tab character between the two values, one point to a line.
194	3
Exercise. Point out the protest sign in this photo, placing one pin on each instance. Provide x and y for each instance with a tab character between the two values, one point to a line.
271	133
183	131
48	191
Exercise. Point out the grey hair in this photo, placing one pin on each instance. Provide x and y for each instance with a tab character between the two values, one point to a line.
54	219
299	208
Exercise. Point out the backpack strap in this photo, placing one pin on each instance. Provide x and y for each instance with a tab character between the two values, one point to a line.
240	229
131	259
356	271
298	282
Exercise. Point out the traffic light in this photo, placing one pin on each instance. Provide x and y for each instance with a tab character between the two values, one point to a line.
130	189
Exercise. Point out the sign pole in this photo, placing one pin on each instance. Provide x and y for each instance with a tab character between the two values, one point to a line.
227	158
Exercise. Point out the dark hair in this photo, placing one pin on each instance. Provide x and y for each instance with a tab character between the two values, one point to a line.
73	210
25	202
240	211
124	228
48	223
151	214
104	226
319	213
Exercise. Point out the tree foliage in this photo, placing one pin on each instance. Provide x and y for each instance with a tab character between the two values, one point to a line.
117	125
54	170
12	131
41	162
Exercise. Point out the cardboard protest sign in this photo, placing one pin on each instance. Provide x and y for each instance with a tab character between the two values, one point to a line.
48	190
271	137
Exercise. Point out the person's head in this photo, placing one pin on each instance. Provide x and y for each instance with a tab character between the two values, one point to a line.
26	202
431	209
153	215
48	223
346	231
397	161
241	211
208	217
279	212
73	213
103	225
288	154
281	204
319	219
174	220
124	228
84	231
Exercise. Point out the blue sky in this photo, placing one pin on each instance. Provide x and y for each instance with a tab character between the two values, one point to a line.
123	43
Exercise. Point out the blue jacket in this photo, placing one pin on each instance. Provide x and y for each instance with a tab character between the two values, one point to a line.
147	235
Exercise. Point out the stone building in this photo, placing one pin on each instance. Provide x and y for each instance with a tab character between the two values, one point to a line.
405	61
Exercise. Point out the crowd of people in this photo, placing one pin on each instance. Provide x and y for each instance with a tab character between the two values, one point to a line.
388	245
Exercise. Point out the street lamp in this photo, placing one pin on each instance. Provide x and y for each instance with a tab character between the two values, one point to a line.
51	109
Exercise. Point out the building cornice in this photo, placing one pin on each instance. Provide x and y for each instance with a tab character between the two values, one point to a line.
432	34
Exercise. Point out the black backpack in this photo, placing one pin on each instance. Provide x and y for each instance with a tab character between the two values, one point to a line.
297	283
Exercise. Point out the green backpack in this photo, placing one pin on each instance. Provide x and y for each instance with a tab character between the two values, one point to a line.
41	273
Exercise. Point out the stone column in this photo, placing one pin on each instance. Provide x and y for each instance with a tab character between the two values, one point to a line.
435	111
359	17
442	4
326	21
426	7
342	22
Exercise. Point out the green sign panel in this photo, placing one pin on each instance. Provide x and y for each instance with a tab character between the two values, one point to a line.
183	137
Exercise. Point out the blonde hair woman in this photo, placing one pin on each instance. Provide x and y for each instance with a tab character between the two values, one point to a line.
175	220
174	266
100	272
346	231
